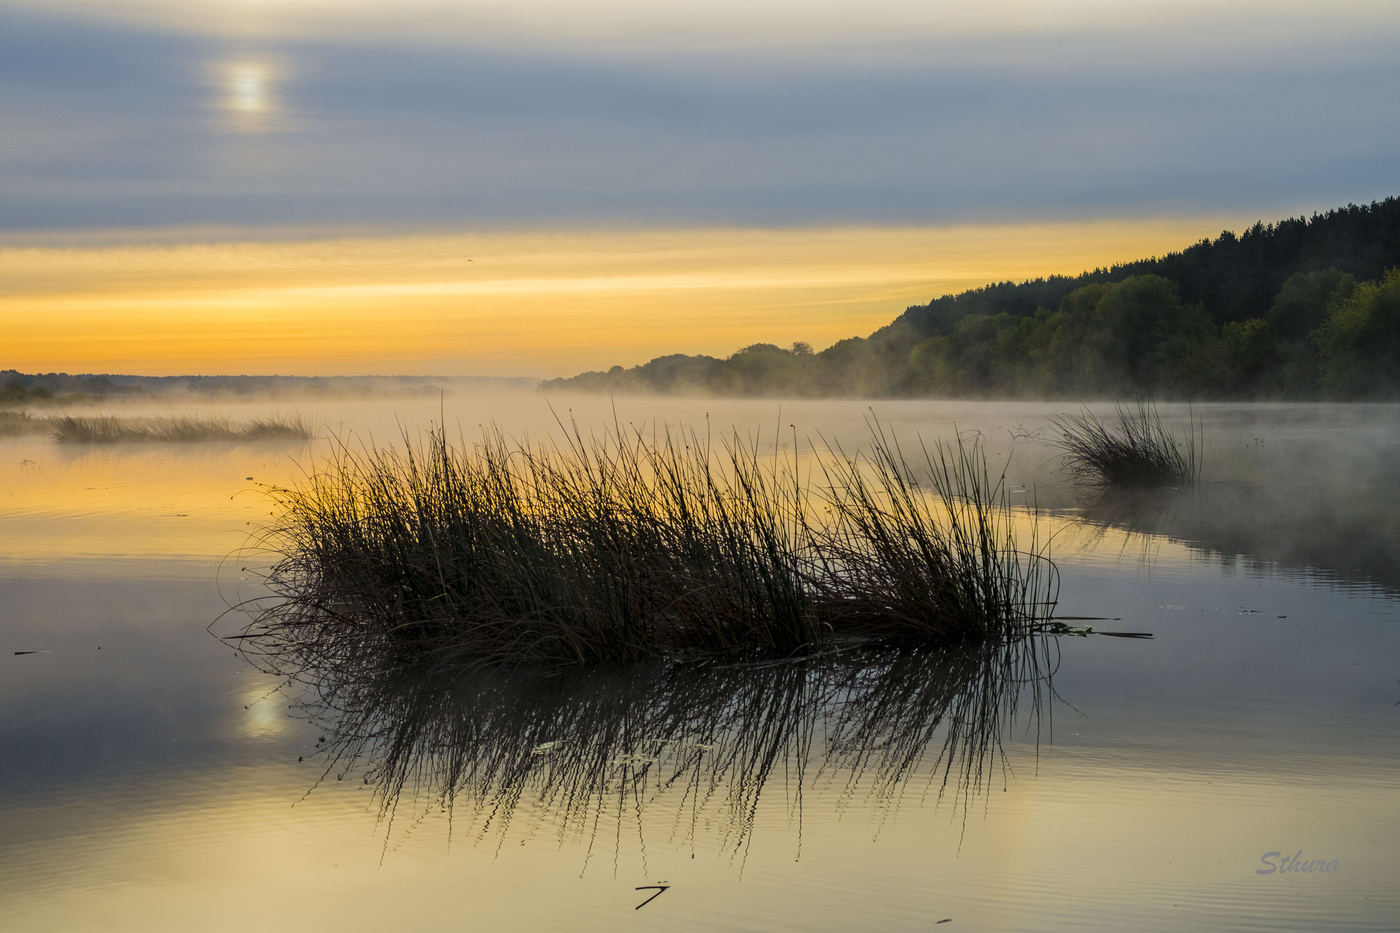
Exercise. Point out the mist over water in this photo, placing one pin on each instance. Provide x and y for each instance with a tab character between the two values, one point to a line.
153	771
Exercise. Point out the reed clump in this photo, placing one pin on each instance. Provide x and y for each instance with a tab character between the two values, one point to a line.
624	547
1138	452
109	429
14	423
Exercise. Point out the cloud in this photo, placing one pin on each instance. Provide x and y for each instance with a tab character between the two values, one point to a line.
121	125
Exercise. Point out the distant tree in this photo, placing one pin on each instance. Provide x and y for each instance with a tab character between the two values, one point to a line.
1306	299
1247	352
1360	341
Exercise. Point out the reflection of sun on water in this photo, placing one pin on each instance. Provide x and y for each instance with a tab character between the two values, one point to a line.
266	713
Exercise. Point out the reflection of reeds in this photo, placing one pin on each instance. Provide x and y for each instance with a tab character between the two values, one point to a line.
576	752
1145	516
1138	452
108	429
624	548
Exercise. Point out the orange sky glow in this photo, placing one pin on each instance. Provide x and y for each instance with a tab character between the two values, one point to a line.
513	304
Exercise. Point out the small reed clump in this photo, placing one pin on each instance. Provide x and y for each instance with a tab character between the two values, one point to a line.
622	548
108	429
14	423
1139	452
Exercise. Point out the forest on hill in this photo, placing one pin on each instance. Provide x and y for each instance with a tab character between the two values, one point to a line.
1305	308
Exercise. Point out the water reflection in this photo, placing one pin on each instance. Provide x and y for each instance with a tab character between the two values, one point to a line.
1348	536
595	754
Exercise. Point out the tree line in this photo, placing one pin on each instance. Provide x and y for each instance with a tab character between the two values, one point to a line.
1302	309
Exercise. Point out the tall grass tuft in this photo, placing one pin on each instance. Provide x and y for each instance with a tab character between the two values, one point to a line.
108	429
624	546
1139	452
933	558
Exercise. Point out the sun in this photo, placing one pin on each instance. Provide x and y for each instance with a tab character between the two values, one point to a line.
247	88
248	94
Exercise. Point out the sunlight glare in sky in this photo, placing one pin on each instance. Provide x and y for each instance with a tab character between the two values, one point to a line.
247	88
248	91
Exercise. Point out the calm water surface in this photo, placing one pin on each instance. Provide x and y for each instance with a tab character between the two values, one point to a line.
153	779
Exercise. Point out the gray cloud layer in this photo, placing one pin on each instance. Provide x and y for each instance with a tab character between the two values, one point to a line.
120	126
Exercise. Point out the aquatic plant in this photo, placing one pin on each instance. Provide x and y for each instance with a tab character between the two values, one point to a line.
624	546
935	558
13	422
1140	451
109	429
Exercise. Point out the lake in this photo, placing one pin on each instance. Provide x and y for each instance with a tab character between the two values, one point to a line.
154	778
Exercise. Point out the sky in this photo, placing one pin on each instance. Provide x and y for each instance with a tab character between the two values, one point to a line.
287	185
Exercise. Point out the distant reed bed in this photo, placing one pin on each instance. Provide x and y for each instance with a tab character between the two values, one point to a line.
1137	452
625	546
109	429
13	423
